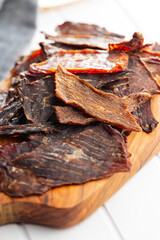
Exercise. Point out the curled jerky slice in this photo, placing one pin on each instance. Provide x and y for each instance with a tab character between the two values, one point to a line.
37	98
81	61
71	115
135	43
89	153
102	106
144	112
84	29
84	40
23	62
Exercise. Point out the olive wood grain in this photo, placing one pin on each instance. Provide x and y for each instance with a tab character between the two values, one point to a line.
65	206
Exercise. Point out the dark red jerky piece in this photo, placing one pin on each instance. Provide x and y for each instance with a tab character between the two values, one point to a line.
23	62
13	109
84	40
153	65
134	80
144	112
37	98
71	115
102	106
3	97
83	61
84	29
25	129
74	159
135	43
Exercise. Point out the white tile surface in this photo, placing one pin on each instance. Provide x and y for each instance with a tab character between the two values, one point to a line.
135	209
97	226
12	231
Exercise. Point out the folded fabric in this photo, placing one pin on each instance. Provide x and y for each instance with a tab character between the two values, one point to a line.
17	25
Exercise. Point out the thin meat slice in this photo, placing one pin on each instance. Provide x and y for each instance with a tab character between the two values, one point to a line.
148	121
71	115
11	111
23	62
76	158
153	65
135	99
37	98
135	43
25	129
102	106
84	40
83	61
84	29
134	80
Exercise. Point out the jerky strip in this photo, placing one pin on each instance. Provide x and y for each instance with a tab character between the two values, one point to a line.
134	80
144	112
38	98
135	43
71	115
23	62
86	60
11	110
84	29
25	129
102	106
76	159
84	40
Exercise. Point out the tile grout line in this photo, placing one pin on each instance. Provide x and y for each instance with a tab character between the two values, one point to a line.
130	18
25	231
113	223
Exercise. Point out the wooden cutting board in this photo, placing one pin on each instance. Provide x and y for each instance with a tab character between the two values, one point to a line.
68	205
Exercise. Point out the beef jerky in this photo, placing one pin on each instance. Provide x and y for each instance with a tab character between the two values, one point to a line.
3	97
10	111
71	115
153	65
75	159
87	60
23	62
22	129
135	43
84	29
37	98
144	112
135	99
84	40
134	80
102	106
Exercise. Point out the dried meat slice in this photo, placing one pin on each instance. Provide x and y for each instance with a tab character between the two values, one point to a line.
84	40
153	65
135	43
23	62
25	129
84	29
134	80
83	61
11	112
71	115
144	112
102	106
37	98
74	159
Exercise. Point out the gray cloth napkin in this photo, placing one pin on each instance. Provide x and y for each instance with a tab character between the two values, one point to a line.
17	25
